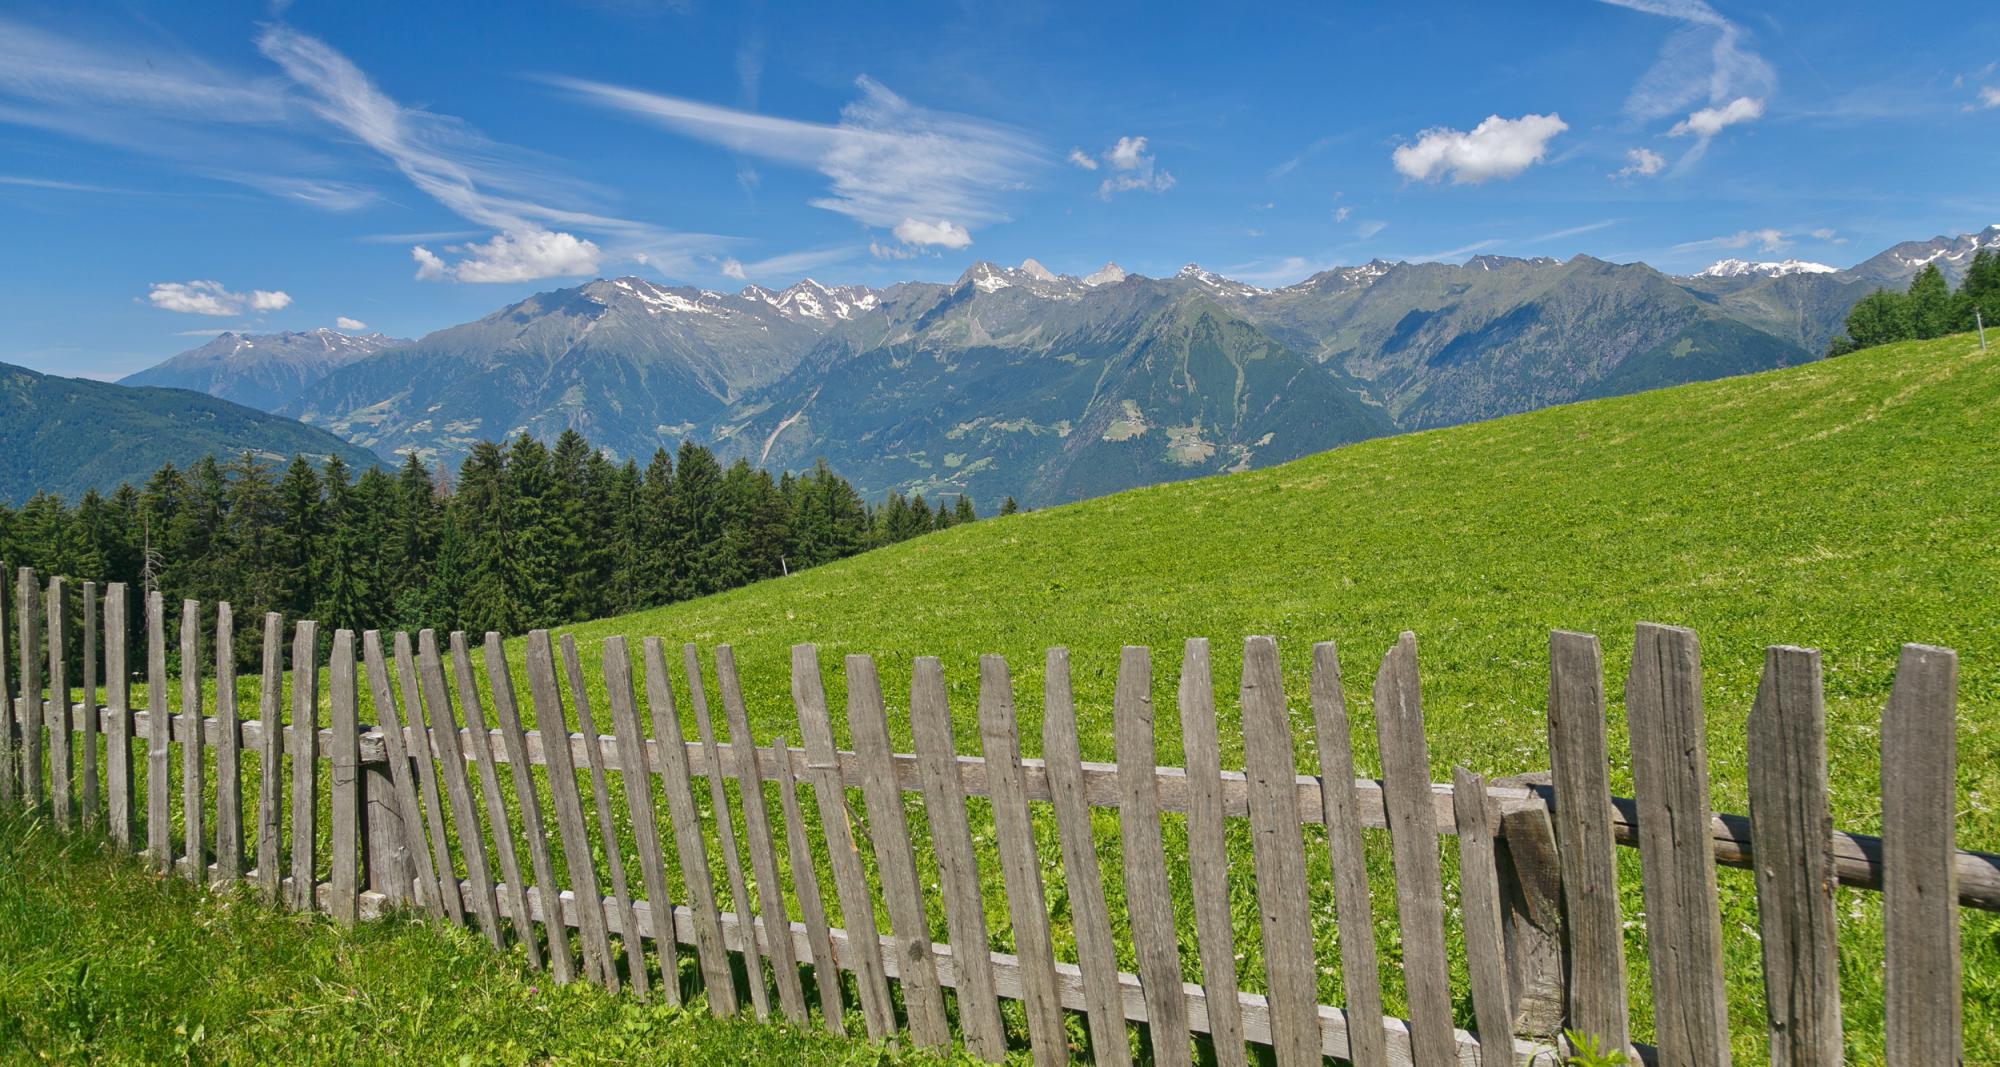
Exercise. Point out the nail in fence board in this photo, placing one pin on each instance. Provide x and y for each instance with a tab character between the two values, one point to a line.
958	865
638	780
857	908
1479	896
725	830
457	786
481	741
159	827
27	618
1360	976
868	725
305	763
92	721
555	736
1020	867
193	844
763	852
62	756
1406	797
395	747
1096	952
1664	717
1583	818
690	847
118	698
607	825
1148	898
1791	830
1208	854
1924	1006
514	740
450	896
344	780
228	752
1278	851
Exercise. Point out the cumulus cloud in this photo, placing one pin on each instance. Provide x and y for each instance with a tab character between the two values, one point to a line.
1989	96
1641	162
1136	167
1128	154
942	232
1496	148
1079	158
212	298
511	257
345	323
733	268
1709	121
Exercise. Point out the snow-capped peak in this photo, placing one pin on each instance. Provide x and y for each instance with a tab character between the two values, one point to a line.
1108	274
1193	272
1035	270
1738	268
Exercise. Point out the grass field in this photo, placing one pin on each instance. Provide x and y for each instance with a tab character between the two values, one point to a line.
1849	505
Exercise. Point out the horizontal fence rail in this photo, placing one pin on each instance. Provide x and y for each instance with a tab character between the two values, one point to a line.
416	811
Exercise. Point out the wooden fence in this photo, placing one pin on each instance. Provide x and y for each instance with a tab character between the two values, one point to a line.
1541	924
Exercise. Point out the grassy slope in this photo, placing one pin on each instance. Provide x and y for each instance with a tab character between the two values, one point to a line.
1846	505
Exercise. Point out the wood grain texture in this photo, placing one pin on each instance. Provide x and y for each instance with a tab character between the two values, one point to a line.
270	761
1668	730
763	847
194	844
607	823
1279	853
159	724
638	781
402	775
805	886
958	864
1413	842
1096	949
1583	820
895	862
27	622
1361	976
725	829
1924	1005
305	763
691	848
457	786
1208	852
89	788
10	724
1149	901
1531	906
228	751
514	741
552	723
1020	866
450	897
56	713
479	739
344	780
1479	899
1790	826
118	780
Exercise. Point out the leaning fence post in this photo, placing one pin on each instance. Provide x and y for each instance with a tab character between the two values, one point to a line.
1531	909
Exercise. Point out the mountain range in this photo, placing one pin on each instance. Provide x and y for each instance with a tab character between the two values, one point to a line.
1049	387
267	371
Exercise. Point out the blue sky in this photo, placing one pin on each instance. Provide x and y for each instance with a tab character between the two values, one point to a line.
173	169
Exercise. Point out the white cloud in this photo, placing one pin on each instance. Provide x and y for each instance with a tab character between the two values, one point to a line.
1340	213
1989	96
1642	162
1709	121
1768	239
733	268
882	251
1369	228
1827	234
345	323
429	266
512	257
943	232
1496	148
1708	60
1079	158
1136	169
212	298
1128	154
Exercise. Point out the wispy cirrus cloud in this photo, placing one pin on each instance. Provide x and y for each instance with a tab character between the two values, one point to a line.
1707	73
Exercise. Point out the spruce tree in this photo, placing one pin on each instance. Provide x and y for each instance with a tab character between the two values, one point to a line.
697	521
1929	304
962	512
655	535
296	541
1008	507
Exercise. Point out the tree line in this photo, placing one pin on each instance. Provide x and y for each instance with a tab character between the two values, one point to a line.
526	536
1929	309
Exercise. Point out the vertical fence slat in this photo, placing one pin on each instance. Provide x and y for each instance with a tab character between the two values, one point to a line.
1582	784
555	735
1664	717
690	847
1208	854
450	898
1149	898
481	740
117	698
396	749
1361	977
305	763
909	923
270	760
805	886
1790	837
1479	898
344	781
639	805
850	882
725	832
1406	800
27	618
10	729
763	851
607	824
92	720
192	768
958	865
457	786
1020	866
1096	951
159	731
228	752
1278	851
62	799
500	680
1924	1006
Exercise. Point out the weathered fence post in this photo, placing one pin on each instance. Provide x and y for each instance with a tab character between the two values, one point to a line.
87	748
9	730
1531	910
27	616
118	700
61	739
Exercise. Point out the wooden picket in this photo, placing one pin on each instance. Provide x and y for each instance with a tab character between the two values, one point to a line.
415	769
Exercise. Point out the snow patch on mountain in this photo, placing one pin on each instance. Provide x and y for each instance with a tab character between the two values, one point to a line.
1740	268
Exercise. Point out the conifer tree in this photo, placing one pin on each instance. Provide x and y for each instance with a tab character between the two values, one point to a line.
1008	507
1929	304
962	512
